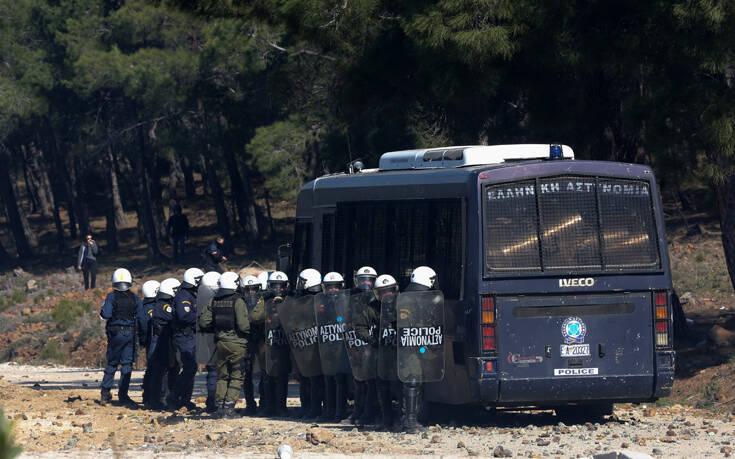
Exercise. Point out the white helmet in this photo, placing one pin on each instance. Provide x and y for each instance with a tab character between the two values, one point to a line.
423	275
309	280
211	280
333	279
383	284
169	287
192	276
278	283
364	278
229	281
250	282
150	288
263	279
122	280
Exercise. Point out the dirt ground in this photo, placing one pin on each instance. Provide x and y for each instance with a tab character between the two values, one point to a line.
56	413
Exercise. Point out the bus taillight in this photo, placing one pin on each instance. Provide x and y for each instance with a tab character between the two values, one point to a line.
661	316
488	324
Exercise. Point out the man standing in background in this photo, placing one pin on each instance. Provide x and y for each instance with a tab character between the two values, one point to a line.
178	228
87	261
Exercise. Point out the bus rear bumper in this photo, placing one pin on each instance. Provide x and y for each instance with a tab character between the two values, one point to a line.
489	388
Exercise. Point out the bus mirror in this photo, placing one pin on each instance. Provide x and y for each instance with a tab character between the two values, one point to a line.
284	258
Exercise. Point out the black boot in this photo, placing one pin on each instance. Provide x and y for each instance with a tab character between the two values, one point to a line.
219	410
211	405
247	387
304	397
340	398
411	407
281	396
228	410
316	386
105	397
122	393
386	409
269	397
330	399
369	404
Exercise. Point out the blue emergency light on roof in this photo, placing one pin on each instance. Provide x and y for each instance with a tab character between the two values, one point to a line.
555	152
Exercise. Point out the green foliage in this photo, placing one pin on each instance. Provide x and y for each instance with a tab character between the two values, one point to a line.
67	312
279	152
17	296
710	394
8	448
54	352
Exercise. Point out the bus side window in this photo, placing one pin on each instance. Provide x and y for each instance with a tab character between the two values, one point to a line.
301	248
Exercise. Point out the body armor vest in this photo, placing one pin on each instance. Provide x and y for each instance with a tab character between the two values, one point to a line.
223	312
124	306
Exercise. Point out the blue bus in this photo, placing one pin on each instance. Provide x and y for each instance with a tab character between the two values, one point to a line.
555	272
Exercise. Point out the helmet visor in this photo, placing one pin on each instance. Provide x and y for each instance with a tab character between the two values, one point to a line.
365	282
121	286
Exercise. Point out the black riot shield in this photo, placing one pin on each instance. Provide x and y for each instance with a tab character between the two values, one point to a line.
299	323
277	359
330	323
420	335
359	331
387	349
204	341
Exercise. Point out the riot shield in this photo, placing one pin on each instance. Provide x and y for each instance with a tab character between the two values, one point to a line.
420	334
332	353
205	341
359	333
387	350
277	359
299	323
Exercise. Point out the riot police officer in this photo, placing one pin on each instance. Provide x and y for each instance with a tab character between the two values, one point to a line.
149	291
311	389
184	338
250	290
205	348
423	278
365	391
386	288
227	315
336	385
121	310
159	352
277	361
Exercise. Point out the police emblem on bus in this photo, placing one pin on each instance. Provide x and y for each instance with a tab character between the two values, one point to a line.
573	329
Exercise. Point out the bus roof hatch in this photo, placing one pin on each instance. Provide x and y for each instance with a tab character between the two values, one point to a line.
468	155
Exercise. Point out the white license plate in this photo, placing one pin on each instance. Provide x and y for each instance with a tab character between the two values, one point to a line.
575	371
574	350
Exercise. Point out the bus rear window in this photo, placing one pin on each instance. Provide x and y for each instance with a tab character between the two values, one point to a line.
569	224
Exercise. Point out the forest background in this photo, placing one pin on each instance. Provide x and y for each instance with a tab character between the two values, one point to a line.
108	106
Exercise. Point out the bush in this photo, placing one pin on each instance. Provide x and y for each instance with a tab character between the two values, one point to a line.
67	312
17	296
8	448
52	351
710	394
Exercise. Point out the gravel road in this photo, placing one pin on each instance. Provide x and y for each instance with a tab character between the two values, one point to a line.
56	414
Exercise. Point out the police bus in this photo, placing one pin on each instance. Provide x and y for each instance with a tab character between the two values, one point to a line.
555	272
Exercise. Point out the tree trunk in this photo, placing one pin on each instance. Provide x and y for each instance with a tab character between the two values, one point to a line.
146	209
111	208
176	180
77	188
4	256
159	217
120	219
39	178
218	195
726	201
188	178
243	200
40	167
31	191
59	164
15	217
